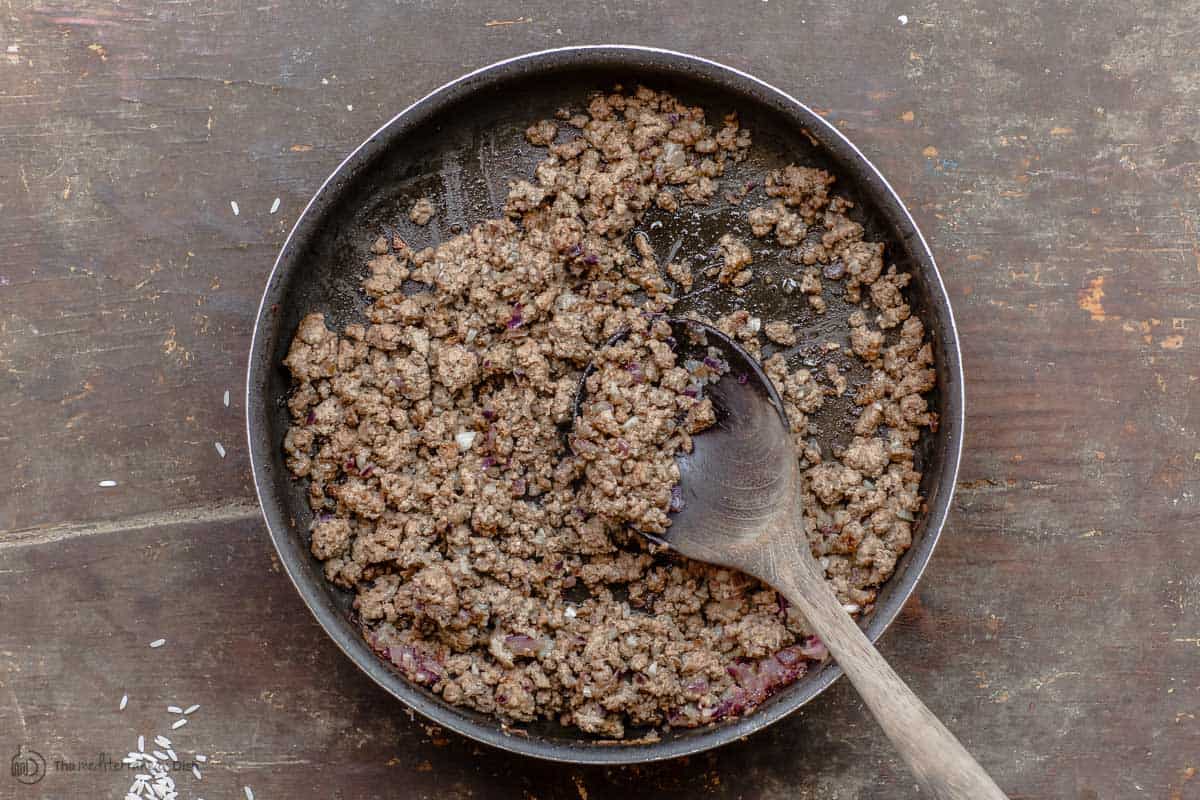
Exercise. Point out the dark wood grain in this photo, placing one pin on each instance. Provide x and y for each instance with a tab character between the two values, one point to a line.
1050	155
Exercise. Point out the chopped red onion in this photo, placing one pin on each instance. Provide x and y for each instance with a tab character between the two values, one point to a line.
790	656
741	671
733	703
418	666
521	645
814	648
516	320
834	271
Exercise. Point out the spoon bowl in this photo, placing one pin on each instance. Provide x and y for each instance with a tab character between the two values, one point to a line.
741	473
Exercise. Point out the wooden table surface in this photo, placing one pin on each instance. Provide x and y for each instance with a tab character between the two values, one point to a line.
1049	153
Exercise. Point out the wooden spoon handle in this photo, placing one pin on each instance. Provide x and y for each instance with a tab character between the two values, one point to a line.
939	762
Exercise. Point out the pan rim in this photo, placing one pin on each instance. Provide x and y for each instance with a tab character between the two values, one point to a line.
583	751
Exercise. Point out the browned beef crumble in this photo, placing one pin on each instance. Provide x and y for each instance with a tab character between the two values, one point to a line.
494	564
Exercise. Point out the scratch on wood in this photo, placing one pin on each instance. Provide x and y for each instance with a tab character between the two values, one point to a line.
84	21
241	509
1091	297
1185	775
1190	227
495	23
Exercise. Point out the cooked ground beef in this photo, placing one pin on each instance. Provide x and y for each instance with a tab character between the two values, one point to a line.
422	211
492	560
780	333
640	409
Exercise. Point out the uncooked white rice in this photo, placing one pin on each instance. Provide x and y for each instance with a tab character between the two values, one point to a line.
196	772
249	792
192	708
162	741
225	399
275	205
160	755
233	204
108	484
220	449
179	723
124	701
201	757
171	753
174	710
141	744
158	642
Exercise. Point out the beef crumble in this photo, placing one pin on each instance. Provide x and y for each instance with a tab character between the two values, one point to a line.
494	564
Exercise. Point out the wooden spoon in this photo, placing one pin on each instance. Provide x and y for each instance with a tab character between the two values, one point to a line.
742	509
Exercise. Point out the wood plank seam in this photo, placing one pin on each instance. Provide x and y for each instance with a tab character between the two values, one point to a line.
37	535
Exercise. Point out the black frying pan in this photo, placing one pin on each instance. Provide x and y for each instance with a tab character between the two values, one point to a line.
459	146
